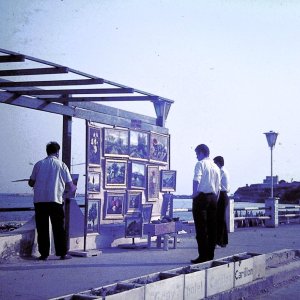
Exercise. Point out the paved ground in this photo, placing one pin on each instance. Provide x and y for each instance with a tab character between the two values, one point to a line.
32	280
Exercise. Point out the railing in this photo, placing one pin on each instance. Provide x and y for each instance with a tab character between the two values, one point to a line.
257	216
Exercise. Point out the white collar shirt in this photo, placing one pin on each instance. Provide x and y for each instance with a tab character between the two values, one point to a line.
225	187
207	174
50	176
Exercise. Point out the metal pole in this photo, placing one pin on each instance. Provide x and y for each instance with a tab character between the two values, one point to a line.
66	158
86	204
272	172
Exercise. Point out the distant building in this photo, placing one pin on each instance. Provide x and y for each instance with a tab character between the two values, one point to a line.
287	192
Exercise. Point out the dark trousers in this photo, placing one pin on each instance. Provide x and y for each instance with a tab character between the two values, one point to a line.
222	235
205	220
54	211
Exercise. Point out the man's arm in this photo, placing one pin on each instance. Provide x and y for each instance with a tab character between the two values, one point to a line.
71	186
195	188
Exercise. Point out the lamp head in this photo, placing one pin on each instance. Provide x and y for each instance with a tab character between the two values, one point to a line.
271	138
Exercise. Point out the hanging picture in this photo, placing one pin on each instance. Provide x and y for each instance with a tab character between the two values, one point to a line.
114	205
115	142
134	201
167	206
147	212
115	173
159	147
93	216
153	183
138	145
137	176
133	226
93	182
168	181
93	145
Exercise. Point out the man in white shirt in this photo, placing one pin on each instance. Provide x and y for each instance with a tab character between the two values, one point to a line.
206	184
222	234
49	178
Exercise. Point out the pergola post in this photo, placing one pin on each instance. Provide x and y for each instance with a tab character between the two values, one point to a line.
66	158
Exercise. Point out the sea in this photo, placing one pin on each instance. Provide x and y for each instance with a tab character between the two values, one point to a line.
26	200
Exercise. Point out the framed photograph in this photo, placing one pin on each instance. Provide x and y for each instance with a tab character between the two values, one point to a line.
115	173
93	145
133	226
134	201
153	183
93	216
114	205
167	206
159	147
138	145
147	212
93	182
137	176
115	142
168	181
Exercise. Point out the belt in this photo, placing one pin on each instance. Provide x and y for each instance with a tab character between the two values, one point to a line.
208	194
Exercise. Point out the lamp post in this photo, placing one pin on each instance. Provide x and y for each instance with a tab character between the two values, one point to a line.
271	138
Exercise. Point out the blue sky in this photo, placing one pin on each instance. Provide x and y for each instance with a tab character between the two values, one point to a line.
232	68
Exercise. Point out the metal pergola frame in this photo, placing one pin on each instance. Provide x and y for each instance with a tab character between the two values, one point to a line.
37	84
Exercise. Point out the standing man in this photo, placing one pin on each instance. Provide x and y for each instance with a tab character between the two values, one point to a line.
206	184
222	235
48	179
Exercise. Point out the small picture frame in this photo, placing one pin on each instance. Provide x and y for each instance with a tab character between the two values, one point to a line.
168	180
137	176
153	183
115	173
94	182
114	205
93	216
167	206
147	212
159	148
133	226
94	145
116	142
134	201
138	145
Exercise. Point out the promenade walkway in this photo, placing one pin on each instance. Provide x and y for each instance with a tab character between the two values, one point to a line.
31	279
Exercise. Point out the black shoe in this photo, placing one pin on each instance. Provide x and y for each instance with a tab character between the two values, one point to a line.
67	256
42	257
197	261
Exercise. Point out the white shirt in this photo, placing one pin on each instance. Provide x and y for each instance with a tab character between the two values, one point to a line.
225	187
207	174
50	176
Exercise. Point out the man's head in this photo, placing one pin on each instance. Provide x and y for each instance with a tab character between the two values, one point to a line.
202	151
52	148
219	161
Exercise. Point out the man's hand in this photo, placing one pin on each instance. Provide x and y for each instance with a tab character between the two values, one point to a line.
31	182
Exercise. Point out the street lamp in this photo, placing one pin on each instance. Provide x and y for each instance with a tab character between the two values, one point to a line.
271	138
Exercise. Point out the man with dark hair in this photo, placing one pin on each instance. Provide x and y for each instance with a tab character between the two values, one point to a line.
49	178
206	183
222	235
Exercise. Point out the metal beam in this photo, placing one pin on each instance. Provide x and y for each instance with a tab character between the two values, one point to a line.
36	71
35	92
51	83
11	58
96	99
88	111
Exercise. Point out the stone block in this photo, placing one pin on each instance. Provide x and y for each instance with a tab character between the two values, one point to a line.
194	282
259	265
161	286
277	258
219	277
116	291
